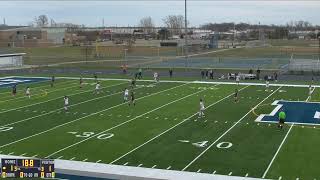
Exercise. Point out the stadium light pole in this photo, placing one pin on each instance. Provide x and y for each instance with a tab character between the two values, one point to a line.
186	32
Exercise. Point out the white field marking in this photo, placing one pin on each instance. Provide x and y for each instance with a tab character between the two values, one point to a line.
191	82
59	157
230	174
98	161
53	111
55	99
227	131
72	158
280	178
61	125
85	160
35	94
35	155
168	167
23	154
214	172
126	163
275	155
140	165
198	170
155	137
11	153
247	175
154	166
86	139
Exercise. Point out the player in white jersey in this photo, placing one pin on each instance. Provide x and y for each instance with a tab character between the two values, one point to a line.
237	79
97	89
267	85
310	92
28	92
66	103
125	95
156	76
201	111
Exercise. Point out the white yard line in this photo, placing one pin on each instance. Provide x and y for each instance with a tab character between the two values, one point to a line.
56	99
125	122
171	128
226	132
75	120
275	155
193	82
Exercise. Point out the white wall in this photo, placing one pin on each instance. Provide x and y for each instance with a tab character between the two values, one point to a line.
11	61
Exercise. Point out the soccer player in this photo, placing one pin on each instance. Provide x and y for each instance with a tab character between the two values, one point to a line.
236	94
282	118
52	80
310	92
201	111
97	89
28	92
156	76
81	82
133	82
14	90
126	95
66	103
267	85
132	100
237	79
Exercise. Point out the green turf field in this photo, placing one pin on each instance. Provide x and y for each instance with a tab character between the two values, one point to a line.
163	129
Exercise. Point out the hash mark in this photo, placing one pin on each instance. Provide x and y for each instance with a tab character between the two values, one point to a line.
280	178
98	161
11	153
214	172
168	167
153	166
85	160
198	170
230	174
126	163
247	175
35	155
21	154
72	158
140	165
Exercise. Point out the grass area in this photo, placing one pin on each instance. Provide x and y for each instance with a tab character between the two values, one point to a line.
163	129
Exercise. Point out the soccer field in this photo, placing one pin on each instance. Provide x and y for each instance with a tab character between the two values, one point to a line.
163	129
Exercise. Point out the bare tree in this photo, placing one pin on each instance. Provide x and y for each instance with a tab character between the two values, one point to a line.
41	21
175	23
147	24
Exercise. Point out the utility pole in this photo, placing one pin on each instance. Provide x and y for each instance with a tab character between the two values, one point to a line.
186	32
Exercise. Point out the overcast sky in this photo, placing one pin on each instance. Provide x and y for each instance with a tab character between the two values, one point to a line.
123	13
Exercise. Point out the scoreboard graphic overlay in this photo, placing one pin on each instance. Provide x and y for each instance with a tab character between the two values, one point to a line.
27	168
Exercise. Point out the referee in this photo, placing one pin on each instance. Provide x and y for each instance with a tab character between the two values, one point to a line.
282	118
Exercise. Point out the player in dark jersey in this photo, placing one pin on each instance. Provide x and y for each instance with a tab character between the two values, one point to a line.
132	99
236	94
14	90
133	82
95	77
81	82
52	80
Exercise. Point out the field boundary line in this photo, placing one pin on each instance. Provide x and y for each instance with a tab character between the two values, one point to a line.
78	119
278	150
186	119
193	82
53	111
228	130
1	112
125	122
